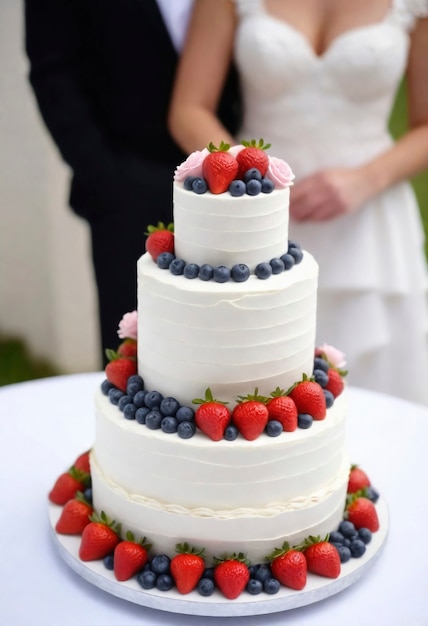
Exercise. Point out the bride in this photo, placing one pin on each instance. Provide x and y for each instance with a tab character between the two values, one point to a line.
318	79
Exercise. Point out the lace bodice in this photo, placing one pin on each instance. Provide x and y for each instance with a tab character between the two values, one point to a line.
343	97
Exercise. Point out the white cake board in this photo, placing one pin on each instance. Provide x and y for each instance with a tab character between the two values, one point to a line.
317	587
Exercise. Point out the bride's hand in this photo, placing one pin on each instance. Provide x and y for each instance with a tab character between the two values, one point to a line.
328	194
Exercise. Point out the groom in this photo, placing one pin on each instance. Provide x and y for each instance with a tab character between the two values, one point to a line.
102	73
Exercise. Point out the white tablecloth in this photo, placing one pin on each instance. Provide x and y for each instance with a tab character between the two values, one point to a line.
45	424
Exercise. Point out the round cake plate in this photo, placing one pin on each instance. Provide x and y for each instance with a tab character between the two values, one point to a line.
317	587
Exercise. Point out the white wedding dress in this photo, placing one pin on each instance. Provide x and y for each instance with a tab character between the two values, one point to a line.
328	111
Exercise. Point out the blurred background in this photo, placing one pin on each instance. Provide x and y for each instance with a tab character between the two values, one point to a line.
48	314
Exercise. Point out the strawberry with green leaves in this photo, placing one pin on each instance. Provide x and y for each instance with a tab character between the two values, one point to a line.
250	415
187	567
309	398
321	556
160	239
128	349
130	556
219	168
212	416
82	462
335	382
99	537
289	566
362	513
74	516
283	409
67	485
253	155
119	369
358	479
231	575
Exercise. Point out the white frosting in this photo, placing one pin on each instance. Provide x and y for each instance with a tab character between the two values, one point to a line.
224	230
231	337
239	495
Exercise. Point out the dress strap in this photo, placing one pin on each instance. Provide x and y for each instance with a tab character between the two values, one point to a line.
248	7
407	12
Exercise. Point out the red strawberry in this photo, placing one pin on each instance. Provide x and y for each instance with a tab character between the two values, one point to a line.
99	538
130	557
362	513
212	416
253	155
219	168
358	479
250	416
335	382
119	370
74	516
231	575
128	349
82	462
160	239
322	557
187	567
289	567
283	408
309	398
67	485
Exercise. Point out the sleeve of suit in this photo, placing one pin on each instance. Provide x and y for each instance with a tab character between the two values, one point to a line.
54	49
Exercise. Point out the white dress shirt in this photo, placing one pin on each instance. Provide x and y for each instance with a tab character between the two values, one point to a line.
176	15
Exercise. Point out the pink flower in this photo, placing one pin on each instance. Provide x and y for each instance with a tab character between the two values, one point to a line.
192	166
128	326
335	357
280	173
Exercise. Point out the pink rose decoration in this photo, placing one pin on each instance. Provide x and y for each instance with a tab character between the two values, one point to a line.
192	166
335	357
280	173
128	326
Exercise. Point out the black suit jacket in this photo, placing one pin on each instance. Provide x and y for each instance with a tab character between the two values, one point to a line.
102	72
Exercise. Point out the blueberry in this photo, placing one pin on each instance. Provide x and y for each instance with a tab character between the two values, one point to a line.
208	573
344	553
147	579
206	272
123	400
136	379
267	185
277	266
321	364
274	428
336	537
152	399
321	377
237	188
138	399
169	406
87	494
329	398
288	261
160	564
262	572
206	587
199	185
240	273
164	260
106	386
372	494
296	253
177	267
231	432
357	548
186	429
271	586
153	419
221	274
252	174
365	535
140	414
253	187
304	420
133	387
169	424
185	414
263	271
293	244
115	395
129	411
191	270
347	529
187	183
254	587
108	561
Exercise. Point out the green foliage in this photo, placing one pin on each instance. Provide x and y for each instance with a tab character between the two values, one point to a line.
17	364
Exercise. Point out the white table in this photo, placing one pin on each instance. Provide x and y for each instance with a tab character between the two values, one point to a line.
45	424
